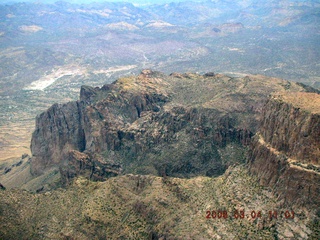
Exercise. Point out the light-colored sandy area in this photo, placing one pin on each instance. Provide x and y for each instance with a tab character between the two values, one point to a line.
71	70
233	49
122	26
159	24
50	78
30	28
103	12
115	69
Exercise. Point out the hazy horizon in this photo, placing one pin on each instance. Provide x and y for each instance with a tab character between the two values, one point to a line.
138	2
98	1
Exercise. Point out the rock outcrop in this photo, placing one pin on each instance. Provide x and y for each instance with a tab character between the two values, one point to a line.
58	130
91	167
285	153
179	125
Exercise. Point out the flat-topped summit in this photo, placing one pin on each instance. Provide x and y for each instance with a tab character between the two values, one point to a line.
306	101
178	125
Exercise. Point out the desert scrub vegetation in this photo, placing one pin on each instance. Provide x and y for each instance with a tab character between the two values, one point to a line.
142	207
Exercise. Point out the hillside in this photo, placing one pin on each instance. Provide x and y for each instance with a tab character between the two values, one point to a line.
149	207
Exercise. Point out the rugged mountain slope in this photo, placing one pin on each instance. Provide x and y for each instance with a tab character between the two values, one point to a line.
285	153
149	207
178	125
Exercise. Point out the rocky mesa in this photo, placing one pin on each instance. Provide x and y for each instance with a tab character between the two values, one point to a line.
181	125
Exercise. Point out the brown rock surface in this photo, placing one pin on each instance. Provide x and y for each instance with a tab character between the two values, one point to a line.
82	164
291	124
180	125
285	153
58	130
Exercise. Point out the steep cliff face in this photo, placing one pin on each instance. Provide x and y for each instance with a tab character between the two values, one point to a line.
177	125
91	125
285	153
291	128
58	130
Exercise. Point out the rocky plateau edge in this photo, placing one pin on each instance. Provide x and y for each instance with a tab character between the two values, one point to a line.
184	125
